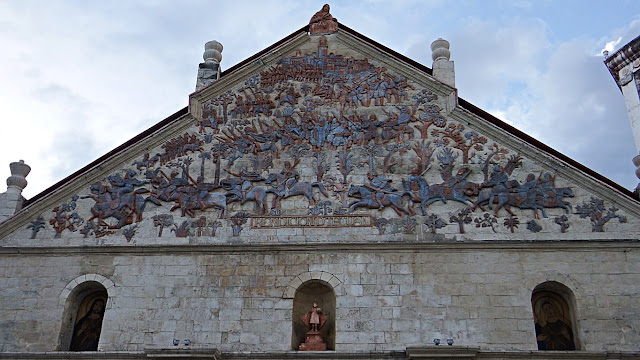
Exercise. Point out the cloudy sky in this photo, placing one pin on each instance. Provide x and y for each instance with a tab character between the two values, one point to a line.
78	78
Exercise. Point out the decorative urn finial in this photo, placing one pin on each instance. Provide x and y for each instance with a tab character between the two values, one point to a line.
212	52
209	71
19	172
440	50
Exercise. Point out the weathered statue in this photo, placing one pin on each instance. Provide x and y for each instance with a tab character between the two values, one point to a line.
314	320
322	22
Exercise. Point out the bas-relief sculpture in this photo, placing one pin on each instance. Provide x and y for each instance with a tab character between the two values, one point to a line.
323	134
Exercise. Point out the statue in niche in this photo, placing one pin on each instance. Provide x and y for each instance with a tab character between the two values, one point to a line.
551	317
314	320
86	332
323	22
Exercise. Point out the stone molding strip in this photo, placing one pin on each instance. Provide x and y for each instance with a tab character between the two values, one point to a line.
428	352
442	246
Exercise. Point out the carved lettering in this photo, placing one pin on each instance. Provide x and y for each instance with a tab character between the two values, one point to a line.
336	221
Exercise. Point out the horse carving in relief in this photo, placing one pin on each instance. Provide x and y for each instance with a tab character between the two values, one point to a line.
125	207
238	191
456	188
375	200
283	190
536	194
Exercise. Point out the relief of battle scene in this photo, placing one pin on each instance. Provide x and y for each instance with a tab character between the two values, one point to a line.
322	134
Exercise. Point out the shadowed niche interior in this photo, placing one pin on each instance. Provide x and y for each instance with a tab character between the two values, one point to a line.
554	317
321	293
84	312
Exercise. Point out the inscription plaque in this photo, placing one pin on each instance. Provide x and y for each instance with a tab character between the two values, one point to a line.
332	221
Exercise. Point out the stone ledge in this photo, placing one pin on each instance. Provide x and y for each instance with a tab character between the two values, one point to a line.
452	246
315	355
427	352
82	355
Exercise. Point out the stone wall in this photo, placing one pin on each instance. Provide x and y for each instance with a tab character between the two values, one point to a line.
387	297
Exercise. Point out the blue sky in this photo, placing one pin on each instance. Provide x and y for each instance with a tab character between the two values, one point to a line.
79	78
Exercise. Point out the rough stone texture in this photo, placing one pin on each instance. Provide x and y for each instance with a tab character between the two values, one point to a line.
392	299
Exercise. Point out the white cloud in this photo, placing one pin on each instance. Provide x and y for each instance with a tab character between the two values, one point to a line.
557	93
610	46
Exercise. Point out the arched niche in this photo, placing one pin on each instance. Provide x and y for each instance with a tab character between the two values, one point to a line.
554	318
308	293
85	301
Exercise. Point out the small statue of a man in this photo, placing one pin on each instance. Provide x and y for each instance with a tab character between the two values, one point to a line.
314	319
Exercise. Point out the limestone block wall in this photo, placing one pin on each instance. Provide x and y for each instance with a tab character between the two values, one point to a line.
387	297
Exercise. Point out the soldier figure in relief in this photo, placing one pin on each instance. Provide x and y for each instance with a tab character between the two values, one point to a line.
379	186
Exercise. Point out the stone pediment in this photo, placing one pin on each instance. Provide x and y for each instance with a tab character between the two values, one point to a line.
326	138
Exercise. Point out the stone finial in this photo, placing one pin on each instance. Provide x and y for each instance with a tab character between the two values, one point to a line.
212	52
11	200
440	50
322	22
209	70
19	172
443	69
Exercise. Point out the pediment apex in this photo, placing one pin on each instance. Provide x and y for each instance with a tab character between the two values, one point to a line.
345	42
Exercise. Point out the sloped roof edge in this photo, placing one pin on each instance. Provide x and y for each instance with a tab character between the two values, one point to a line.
497	122
461	102
542	146
108	155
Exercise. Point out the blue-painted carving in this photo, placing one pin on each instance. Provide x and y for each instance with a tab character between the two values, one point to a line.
66	218
598	214
36	225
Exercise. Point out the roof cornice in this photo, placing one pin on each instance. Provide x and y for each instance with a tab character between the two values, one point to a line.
622	58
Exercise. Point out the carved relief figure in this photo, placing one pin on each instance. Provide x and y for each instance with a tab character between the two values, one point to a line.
86	332
375	199
241	189
286	184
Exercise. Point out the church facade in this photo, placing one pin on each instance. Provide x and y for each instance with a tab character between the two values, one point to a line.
327	198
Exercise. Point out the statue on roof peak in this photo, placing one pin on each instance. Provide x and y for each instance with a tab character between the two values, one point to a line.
323	22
